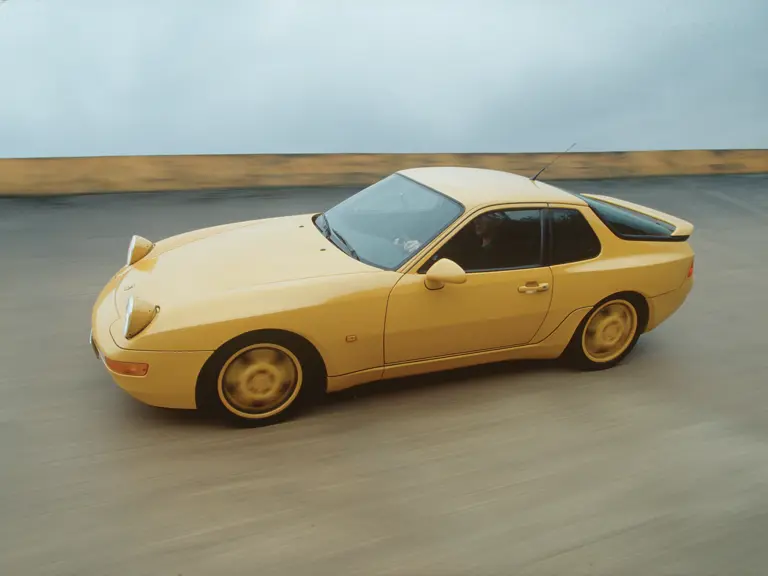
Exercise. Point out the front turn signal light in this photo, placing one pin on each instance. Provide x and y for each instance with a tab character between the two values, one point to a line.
137	249
138	315
138	369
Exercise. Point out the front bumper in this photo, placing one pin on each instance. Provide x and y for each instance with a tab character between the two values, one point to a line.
162	379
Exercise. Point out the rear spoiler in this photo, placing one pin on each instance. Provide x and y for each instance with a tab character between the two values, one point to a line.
682	227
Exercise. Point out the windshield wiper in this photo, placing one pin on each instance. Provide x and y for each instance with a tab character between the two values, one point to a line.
343	241
325	227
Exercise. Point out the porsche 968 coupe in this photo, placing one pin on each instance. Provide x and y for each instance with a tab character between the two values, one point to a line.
428	269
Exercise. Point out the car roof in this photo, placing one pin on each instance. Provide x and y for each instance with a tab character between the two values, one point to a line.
477	187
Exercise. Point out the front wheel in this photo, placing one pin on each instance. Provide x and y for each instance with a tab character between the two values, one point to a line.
607	334
260	379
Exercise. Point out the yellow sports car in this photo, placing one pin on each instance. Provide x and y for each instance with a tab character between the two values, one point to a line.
428	269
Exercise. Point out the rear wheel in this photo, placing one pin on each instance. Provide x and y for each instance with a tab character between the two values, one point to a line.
608	333
261	378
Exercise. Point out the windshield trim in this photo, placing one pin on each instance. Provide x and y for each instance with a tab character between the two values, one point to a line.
435	190
329	233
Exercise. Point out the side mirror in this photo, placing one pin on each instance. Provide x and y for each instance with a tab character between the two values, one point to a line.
443	272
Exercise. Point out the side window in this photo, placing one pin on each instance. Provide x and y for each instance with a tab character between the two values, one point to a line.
499	240
572	237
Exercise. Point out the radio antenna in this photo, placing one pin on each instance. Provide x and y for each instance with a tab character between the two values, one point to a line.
552	162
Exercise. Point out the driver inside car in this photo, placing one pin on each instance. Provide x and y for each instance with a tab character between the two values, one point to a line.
476	247
481	250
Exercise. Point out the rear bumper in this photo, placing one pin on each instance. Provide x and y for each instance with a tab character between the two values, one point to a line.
663	306
171	377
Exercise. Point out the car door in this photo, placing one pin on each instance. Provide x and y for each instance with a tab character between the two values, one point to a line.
502	304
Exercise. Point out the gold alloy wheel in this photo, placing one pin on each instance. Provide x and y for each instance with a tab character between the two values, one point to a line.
260	381
609	331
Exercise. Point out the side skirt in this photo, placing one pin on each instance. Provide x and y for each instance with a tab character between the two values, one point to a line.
551	347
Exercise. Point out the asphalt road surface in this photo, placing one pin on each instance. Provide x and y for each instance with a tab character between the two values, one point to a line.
659	466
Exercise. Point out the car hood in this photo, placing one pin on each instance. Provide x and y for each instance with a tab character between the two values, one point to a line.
214	261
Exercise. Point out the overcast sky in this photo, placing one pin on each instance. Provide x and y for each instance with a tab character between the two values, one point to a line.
96	77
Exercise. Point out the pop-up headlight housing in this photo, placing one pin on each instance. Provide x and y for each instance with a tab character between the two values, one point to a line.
137	249
138	315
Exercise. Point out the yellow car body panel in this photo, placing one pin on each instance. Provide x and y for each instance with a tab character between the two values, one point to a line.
366	322
464	319
169	382
663	306
480	188
649	268
325	313
290	279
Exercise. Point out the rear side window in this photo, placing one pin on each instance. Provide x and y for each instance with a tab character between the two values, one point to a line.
627	223
573	239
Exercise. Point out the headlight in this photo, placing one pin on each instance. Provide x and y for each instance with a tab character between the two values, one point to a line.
138	315
137	249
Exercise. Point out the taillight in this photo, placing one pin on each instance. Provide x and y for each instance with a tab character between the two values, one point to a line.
690	270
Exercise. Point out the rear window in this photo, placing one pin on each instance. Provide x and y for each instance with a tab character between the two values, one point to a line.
627	223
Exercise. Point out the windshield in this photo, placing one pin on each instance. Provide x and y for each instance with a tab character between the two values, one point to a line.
386	223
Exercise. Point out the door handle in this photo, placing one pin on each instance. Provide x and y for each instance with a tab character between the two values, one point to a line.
533	287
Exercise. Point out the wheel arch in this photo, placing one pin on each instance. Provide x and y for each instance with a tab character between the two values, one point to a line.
634	297
304	347
640	303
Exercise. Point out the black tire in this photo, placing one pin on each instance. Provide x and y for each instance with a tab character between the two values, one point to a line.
214	390
578	352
